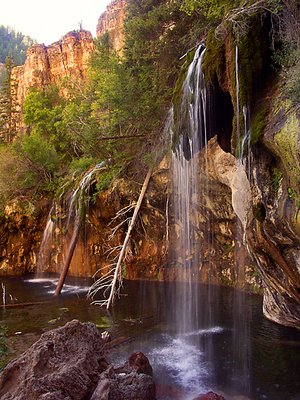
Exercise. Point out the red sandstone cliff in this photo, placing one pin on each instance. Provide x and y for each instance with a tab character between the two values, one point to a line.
46	65
112	22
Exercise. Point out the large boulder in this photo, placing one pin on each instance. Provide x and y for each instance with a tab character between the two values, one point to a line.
68	364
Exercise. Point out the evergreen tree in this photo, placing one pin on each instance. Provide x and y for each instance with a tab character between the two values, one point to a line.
14	45
7	130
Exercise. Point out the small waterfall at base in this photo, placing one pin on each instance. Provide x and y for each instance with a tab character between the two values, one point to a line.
64	223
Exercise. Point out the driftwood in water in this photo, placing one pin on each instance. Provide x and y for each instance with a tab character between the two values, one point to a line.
71	250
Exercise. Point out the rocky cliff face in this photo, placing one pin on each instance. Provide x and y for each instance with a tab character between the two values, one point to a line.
274	231
112	23
22	227
44	65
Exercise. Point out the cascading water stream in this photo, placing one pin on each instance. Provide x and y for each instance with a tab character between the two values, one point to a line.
189	170
237	94
192	124
241	315
65	220
191	192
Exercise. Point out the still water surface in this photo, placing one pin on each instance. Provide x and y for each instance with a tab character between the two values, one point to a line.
184	365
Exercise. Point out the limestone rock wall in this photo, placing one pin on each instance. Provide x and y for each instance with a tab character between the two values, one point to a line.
112	22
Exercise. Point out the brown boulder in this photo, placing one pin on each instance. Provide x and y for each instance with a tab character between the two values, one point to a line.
140	363
68	364
116	385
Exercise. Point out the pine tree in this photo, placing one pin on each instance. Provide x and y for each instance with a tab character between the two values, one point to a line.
7	128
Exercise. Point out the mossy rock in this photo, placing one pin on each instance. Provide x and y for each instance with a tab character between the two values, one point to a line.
177	97
287	141
259	123
214	63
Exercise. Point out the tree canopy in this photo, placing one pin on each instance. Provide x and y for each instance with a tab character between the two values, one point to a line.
13	44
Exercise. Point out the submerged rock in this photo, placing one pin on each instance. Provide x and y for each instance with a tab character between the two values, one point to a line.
68	363
210	396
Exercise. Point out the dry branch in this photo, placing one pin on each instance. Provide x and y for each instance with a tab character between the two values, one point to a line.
114	274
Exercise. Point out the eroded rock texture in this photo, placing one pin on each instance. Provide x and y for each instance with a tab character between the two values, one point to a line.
44	65
111	22
68	364
274	232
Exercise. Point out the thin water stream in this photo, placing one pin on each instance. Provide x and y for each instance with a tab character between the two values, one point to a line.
182	369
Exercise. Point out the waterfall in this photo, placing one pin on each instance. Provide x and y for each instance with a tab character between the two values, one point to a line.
192	126
241	316
237	94
45	247
191	130
64	222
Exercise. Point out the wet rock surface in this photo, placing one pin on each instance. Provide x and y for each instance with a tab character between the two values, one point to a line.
68	363
210	396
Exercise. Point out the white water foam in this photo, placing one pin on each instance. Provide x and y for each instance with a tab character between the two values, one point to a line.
214	329
51	283
183	363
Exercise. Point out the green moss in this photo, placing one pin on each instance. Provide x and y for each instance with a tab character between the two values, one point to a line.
259	123
105	179
287	141
214	63
251	52
177	94
276	181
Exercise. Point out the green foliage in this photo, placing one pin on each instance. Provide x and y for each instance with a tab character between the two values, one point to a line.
105	179
7	128
13	44
79	165
41	153
287	52
13	173
43	114
211	9
287	58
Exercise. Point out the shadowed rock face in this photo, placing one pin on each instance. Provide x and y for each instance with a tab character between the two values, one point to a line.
68	363
274	232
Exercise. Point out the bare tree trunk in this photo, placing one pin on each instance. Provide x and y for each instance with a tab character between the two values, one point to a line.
71	249
122	253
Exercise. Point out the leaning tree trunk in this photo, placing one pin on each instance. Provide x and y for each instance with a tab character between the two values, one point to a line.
122	253
67	263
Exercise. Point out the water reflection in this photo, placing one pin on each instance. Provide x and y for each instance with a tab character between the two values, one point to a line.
181	363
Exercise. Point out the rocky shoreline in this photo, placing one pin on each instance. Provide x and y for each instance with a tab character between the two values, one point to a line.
69	363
